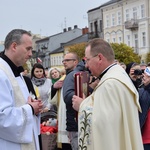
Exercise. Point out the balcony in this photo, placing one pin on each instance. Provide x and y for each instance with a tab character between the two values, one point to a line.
131	24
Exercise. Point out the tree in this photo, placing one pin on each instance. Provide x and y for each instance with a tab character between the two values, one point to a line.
79	49
125	53
148	57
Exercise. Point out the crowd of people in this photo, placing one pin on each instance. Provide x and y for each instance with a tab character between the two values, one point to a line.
115	115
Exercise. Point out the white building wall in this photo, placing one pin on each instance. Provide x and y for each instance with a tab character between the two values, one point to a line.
142	26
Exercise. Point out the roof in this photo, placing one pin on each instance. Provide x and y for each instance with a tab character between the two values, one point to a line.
80	39
44	39
58	50
105	4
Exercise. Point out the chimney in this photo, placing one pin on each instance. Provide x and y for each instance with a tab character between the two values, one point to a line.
69	28
64	29
85	30
75	26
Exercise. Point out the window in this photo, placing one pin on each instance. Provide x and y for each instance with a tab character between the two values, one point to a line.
91	26
107	21
142	11
107	37
101	26
113	20
113	37
136	42
144	38
119	18
127	15
52	62
134	13
128	40
108	40
119	39
113	40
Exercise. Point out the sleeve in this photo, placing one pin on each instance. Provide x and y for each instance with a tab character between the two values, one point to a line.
53	91
30	85
145	105
68	88
16	123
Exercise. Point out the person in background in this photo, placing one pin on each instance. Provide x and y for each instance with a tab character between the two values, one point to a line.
117	61
54	74
123	65
63	71
46	72
143	66
108	118
62	138
148	64
134	71
144	99
70	62
44	84
19	127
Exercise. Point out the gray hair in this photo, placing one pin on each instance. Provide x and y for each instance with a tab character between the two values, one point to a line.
14	36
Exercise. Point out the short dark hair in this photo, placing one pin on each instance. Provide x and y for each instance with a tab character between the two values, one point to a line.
37	65
14	36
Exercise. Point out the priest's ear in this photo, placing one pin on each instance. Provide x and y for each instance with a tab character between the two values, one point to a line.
13	46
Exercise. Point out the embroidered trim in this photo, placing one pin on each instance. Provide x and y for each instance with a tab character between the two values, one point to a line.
85	130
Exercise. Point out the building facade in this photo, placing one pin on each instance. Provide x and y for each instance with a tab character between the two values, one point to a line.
126	21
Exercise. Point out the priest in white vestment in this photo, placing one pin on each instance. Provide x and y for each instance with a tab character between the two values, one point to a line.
108	118
19	121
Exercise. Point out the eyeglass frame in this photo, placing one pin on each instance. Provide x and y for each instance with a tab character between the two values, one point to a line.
88	59
66	60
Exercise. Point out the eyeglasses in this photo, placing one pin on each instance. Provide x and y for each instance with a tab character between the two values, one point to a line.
66	60
88	59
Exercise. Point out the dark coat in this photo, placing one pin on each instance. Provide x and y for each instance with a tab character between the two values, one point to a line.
68	92
144	99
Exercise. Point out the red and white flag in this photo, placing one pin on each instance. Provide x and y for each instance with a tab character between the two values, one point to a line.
39	60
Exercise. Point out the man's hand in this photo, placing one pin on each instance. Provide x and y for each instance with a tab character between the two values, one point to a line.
36	105
76	101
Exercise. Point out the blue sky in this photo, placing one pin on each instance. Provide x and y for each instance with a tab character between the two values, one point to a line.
45	17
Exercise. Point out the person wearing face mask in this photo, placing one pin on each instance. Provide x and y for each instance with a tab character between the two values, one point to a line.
144	117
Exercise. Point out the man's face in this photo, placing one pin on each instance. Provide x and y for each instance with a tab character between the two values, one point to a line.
69	61
145	79
91	62
23	51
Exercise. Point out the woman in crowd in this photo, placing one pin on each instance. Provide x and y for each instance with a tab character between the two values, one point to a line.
54	74
57	100
44	84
